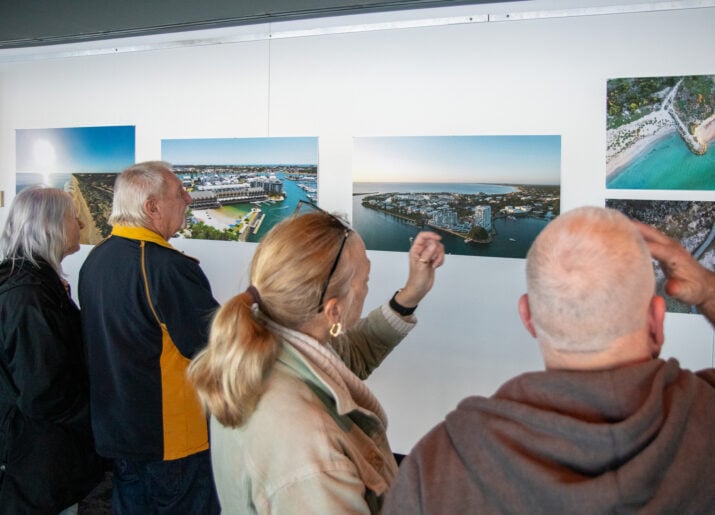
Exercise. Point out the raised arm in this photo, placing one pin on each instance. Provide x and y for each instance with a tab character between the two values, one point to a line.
364	346
426	255
686	279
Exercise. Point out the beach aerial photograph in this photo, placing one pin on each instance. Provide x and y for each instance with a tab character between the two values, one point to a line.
485	195
241	187
84	161
691	223
659	130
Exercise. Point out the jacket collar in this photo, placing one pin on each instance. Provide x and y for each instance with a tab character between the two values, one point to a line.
140	233
144	234
24	272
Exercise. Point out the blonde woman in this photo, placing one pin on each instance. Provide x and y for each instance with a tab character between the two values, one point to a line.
294	429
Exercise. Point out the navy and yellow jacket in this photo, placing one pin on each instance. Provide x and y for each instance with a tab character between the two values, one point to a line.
146	310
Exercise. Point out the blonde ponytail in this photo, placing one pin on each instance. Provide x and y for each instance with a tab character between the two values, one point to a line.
228	374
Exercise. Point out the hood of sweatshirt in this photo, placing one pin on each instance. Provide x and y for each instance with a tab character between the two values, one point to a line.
598	441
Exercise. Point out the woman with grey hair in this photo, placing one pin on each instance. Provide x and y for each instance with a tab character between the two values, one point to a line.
47	458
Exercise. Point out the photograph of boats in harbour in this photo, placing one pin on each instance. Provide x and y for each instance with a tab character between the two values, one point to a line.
692	223
241	187
84	161
658	133
486	195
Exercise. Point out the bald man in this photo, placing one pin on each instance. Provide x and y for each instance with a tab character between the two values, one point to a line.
608	427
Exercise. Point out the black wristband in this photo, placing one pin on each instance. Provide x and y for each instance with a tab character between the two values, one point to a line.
399	308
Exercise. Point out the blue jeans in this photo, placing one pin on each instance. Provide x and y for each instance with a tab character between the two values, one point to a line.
184	486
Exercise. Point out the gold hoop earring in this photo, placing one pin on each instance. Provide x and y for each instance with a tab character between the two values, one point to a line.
336	329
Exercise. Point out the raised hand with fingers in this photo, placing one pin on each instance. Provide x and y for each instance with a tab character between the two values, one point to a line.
686	279
426	255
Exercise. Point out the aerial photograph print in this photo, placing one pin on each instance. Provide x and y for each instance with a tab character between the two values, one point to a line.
692	223
241	187
486	195
84	161
658	133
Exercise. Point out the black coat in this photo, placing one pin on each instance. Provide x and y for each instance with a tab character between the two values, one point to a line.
47	458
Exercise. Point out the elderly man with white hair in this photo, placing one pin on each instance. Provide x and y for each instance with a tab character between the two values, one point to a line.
146	309
608	427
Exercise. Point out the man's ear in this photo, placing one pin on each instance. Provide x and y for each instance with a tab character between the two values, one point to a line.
151	207
656	321
525	314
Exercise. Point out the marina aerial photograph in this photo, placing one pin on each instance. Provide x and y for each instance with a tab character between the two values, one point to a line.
692	223
485	195
84	161
658	133
241	187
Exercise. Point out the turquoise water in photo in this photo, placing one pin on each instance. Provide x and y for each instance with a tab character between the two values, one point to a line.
274	212
668	165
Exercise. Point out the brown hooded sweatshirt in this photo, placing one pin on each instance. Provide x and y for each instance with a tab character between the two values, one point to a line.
636	439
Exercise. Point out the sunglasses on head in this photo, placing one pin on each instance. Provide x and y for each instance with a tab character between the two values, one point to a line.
345	225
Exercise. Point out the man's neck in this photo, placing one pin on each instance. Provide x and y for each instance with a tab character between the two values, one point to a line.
627	350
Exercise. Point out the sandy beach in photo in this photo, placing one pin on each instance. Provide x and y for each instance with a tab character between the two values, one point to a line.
89	234
628	141
214	217
705	133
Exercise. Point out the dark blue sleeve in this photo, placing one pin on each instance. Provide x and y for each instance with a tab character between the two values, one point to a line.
183	300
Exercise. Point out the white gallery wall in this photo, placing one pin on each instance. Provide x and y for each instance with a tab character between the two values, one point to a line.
451	71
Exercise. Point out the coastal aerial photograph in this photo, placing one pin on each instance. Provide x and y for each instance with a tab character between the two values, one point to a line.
659	130
485	195
692	223
241	187
84	161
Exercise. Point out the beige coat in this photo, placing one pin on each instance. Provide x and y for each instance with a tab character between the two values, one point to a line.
310	447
